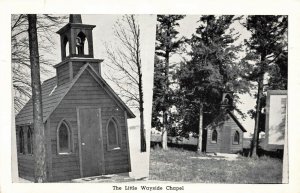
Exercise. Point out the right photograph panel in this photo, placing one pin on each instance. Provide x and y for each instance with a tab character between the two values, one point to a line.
219	112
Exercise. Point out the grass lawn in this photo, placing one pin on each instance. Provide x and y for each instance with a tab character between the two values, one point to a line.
178	165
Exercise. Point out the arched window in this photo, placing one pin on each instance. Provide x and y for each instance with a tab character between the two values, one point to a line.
80	40
21	141
236	138
214	136
29	141
113	135
66	46
63	138
86	47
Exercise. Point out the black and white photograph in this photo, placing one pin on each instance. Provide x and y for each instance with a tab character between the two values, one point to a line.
71	125
156	96
212	74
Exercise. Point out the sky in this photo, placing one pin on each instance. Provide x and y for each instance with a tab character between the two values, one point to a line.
103	34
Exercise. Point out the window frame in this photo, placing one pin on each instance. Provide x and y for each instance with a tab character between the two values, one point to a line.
21	141
234	142
113	147
70	138
212	135
30	141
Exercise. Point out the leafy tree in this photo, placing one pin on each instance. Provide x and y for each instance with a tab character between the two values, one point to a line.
46	27
213	69
126	62
266	55
167	43
40	172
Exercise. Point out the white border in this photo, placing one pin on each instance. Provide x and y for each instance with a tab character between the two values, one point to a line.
290	7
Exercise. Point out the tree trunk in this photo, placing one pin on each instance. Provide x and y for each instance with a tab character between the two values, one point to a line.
142	130
166	95
257	116
141	103
260	88
164	139
199	145
40	172
165	112
140	86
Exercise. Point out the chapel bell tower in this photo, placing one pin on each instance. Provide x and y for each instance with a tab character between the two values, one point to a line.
76	42
76	39
227	100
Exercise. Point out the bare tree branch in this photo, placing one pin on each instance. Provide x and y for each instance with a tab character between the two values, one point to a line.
125	65
47	25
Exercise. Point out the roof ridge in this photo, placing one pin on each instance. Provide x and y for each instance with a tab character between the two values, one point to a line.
61	91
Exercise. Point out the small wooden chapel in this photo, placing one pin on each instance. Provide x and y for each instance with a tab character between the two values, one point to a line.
85	120
225	133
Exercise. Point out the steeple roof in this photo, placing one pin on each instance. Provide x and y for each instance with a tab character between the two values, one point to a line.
75	18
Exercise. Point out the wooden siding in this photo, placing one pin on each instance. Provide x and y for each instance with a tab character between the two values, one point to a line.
226	131
25	160
52	95
26	166
63	74
234	148
210	146
87	92
78	64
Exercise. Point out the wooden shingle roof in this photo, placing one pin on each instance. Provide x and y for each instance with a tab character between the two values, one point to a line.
52	95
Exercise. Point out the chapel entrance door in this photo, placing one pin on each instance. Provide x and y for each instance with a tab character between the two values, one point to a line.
225	139
90	141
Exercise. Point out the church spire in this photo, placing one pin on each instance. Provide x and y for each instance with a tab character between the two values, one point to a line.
75	18
76	38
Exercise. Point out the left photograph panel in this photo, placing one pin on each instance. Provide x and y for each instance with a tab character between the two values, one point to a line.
82	96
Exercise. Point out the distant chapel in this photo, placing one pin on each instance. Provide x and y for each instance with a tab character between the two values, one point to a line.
225	133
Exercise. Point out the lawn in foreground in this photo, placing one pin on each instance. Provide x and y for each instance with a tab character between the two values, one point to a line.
180	165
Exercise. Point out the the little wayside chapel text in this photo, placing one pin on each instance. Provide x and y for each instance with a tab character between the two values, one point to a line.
148	188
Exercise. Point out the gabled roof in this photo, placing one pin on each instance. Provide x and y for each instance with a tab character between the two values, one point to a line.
220	118
236	121
52	95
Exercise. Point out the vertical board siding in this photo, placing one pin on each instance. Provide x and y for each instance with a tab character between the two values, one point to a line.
87	92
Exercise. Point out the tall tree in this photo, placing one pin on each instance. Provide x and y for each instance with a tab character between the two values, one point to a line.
39	130
126	67
266	55
157	93
167	43
213	69
47	25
